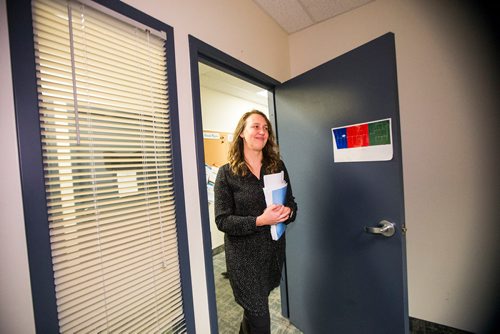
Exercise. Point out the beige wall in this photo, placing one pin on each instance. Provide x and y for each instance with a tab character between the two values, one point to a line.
16	308
446	91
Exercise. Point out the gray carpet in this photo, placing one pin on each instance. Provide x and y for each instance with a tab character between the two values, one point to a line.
230	313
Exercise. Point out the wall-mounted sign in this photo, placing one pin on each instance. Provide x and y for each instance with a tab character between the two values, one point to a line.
211	135
363	142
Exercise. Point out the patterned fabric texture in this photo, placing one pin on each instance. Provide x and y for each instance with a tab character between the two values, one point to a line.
230	313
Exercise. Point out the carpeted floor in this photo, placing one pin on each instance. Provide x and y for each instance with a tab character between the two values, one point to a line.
230	313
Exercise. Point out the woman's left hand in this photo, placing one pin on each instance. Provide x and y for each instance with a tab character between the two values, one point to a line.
285	214
273	214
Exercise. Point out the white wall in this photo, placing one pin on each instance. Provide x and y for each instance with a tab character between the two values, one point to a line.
16	308
221	112
447	91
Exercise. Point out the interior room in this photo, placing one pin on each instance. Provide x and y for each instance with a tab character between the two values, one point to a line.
224	99
447	78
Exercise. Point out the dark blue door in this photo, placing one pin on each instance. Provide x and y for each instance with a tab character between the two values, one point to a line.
343	276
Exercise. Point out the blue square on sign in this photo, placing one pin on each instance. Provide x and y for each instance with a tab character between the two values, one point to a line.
340	136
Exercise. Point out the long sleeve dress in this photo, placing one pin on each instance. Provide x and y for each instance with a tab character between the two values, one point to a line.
254	261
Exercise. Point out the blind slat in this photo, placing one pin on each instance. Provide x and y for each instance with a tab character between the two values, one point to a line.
56	219
90	264
65	179
86	237
71	282
113	115
127	178
98	92
65	225
97	115
87	293
55	61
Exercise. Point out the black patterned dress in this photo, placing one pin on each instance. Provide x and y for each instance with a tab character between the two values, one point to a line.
254	261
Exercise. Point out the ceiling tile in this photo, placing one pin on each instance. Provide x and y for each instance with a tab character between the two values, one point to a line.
321	10
295	15
289	14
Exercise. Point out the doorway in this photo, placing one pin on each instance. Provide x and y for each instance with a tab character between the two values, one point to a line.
224	99
202	52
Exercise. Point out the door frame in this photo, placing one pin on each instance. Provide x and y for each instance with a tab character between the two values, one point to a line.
200	51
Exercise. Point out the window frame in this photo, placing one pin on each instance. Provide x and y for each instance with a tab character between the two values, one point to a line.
31	164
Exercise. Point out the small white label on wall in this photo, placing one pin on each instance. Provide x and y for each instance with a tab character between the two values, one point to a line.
211	135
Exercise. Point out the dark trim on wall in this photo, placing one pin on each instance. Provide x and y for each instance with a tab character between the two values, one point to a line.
31	161
226	63
200	167
200	51
31	166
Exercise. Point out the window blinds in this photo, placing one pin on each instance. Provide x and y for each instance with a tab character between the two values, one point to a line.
104	119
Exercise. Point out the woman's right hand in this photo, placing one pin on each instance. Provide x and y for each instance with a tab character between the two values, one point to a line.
273	214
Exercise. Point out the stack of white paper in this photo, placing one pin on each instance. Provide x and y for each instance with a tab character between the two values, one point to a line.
275	193
211	175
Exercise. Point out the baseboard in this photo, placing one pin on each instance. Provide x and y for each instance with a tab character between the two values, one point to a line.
218	250
419	326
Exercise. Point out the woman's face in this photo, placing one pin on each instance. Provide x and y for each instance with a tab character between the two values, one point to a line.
255	133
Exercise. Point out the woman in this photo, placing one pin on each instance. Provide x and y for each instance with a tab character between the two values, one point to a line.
254	261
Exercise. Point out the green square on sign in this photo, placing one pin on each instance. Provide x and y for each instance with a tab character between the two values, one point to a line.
379	133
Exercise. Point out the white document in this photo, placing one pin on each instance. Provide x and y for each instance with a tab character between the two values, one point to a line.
275	189
275	180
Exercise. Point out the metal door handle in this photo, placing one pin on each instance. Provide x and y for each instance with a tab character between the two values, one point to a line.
385	228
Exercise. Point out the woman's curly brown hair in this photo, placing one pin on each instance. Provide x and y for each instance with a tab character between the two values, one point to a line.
271	158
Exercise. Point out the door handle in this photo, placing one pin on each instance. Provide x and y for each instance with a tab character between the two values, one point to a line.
386	228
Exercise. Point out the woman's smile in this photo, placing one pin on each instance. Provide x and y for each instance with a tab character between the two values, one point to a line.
256	132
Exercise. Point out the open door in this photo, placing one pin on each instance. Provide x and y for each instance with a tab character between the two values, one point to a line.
345	272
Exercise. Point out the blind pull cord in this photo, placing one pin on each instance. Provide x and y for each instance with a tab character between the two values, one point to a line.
73	73
158	199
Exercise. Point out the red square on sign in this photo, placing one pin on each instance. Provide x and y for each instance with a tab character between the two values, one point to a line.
357	136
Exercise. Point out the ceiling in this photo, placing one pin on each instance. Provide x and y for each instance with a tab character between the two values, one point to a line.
295	15
292	16
214	79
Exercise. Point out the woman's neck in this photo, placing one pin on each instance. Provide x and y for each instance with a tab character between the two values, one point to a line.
253	160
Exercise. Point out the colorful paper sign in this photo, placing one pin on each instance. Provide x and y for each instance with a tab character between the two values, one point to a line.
363	142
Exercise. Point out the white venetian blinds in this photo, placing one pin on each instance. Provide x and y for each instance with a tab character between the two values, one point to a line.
104	117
